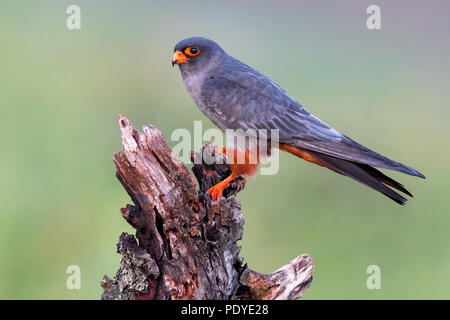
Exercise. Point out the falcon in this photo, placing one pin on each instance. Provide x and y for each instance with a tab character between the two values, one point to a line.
235	96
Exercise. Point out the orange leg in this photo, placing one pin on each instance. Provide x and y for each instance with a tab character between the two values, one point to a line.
222	149
245	169
217	190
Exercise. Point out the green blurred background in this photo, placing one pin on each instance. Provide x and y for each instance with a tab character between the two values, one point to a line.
61	91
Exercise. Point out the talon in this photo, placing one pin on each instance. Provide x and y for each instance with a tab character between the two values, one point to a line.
216	191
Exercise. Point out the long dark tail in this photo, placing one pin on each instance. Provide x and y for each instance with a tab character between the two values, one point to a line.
365	174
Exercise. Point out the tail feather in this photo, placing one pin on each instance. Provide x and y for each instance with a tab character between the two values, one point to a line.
366	175
361	172
351	150
384	178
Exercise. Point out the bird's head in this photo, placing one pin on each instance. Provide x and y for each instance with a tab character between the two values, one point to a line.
196	53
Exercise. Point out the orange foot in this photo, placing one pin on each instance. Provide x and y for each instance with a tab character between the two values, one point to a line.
217	190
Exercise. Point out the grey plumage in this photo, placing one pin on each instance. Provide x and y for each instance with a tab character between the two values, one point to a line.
236	96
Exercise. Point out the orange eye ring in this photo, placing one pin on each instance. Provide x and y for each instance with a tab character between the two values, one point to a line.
192	51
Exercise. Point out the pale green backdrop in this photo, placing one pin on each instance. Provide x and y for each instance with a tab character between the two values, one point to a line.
61	91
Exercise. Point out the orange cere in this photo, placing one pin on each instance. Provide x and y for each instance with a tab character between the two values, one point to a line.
179	57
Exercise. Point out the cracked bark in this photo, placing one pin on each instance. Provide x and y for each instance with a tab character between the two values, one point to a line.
185	247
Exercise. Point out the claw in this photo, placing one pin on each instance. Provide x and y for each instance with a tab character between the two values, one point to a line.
216	191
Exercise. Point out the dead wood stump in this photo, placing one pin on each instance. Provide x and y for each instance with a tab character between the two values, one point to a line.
185	247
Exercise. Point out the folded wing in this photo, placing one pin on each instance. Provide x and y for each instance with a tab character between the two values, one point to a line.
245	99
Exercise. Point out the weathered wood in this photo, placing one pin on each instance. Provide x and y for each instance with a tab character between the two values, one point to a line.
186	246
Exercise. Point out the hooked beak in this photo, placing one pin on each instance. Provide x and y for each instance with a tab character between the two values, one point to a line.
179	57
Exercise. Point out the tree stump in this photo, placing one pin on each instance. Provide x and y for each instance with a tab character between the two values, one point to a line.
185	247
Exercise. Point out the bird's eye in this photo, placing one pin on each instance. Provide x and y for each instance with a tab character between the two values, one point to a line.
192	51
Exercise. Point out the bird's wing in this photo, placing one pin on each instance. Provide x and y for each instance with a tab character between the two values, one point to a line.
249	100
243	98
